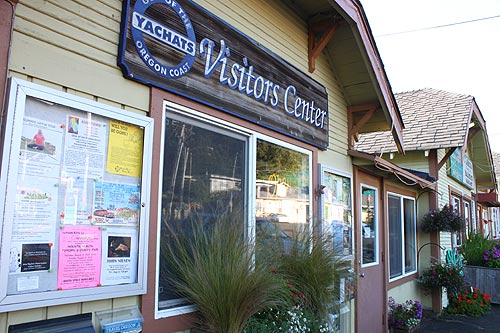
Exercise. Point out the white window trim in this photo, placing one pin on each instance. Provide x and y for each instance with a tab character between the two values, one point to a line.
185	112
404	274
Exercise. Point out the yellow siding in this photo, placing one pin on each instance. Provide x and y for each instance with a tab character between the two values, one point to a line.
76	46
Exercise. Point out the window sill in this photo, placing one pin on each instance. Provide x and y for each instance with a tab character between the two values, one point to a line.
402	280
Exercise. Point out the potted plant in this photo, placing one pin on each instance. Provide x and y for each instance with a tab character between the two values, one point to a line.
444	219
404	317
443	275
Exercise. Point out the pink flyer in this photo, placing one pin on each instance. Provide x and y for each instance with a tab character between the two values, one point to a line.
79	257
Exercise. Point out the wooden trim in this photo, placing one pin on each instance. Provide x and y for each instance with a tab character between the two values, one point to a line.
403	280
353	129
446	157
315	51
7	11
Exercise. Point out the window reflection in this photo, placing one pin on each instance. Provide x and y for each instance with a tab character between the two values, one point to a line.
282	188
368	225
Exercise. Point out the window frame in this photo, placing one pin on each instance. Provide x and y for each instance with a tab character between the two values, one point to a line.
184	113
401	202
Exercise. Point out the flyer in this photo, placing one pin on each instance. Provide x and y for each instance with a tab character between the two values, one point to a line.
35	210
125	149
84	148
40	153
79	257
119	262
116	204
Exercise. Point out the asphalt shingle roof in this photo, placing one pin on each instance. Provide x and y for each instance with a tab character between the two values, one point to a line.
433	119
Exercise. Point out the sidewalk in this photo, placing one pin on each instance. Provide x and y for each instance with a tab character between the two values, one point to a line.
451	324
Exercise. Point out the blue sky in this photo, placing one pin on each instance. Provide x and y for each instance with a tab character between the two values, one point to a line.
462	58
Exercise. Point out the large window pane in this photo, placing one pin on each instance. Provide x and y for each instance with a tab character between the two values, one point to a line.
395	237
204	179
282	190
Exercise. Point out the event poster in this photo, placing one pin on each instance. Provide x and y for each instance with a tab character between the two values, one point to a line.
35	211
125	149
79	257
119	262
116	204
40	154
84	148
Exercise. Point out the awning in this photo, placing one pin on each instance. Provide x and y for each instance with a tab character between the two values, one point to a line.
386	168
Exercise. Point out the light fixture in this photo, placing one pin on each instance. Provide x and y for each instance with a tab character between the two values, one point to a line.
471	124
426	153
391	156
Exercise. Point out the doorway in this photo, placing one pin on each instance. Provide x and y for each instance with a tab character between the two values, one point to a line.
370	245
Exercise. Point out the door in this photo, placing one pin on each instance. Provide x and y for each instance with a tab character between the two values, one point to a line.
371	293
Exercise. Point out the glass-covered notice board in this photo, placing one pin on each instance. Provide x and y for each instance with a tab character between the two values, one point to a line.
74	188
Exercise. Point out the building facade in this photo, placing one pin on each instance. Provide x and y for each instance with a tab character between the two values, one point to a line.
122	118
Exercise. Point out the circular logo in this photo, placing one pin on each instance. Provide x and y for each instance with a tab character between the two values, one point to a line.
142	24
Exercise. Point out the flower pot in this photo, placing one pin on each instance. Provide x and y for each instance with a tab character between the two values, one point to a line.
405	330
485	279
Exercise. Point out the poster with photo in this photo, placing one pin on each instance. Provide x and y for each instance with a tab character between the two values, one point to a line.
84	148
40	150
116	204
119	261
79	257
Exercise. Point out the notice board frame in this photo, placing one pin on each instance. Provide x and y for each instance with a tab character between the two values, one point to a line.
31	288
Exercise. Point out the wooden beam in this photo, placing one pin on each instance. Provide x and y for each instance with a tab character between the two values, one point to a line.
446	157
354	128
315	50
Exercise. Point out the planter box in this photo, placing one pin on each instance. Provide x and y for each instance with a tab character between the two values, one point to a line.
485	279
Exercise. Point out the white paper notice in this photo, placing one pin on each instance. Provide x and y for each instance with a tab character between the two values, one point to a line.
84	149
26	283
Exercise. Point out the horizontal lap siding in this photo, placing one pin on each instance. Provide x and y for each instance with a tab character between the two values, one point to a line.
74	44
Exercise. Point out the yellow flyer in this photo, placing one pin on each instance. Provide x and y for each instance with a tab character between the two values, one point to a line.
125	149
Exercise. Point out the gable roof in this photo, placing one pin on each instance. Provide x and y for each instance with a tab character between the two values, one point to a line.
433	119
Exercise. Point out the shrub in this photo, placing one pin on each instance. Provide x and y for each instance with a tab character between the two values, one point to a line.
469	302
474	247
213	267
444	219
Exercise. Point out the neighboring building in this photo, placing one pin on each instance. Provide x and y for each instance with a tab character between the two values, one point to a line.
150	112
445	138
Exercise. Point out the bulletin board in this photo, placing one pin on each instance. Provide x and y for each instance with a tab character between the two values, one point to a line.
75	182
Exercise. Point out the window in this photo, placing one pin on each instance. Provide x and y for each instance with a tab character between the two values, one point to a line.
369	226
210	170
402	236
456	204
